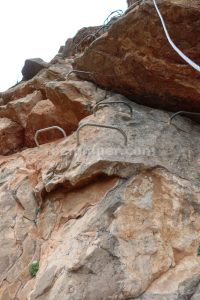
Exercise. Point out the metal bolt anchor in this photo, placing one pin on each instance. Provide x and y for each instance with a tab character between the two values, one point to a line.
182	112
112	102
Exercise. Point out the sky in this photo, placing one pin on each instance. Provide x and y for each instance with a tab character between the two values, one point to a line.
37	28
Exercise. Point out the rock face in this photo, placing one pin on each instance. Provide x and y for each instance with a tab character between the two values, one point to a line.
105	220
18	110
135	58
32	66
48	100
107	213
11	136
82	39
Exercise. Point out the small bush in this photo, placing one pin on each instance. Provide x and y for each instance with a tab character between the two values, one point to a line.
33	268
198	251
38	210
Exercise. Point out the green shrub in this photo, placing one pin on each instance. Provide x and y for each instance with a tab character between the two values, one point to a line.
33	268
38	210
198	251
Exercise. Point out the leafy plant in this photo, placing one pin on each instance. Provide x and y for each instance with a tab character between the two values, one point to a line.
33	268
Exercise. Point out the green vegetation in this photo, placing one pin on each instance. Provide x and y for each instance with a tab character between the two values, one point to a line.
198	251
33	268
38	210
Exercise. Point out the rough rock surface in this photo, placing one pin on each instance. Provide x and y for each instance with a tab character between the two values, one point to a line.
32	66
49	99
82	39
105	219
11	136
18	110
134	58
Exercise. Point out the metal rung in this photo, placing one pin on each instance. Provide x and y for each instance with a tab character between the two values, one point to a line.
102	126
92	74
105	25
99	30
182	112
47	129
112	102
91	35
83	72
118	11
79	71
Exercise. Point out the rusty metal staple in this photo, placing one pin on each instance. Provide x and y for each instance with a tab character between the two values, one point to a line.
112	102
182	112
101	126
47	129
92	74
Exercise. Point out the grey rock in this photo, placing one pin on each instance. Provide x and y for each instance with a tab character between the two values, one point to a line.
32	66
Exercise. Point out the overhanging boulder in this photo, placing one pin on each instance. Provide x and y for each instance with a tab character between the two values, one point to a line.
135	58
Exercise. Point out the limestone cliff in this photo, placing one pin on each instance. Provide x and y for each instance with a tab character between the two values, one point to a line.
104	213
